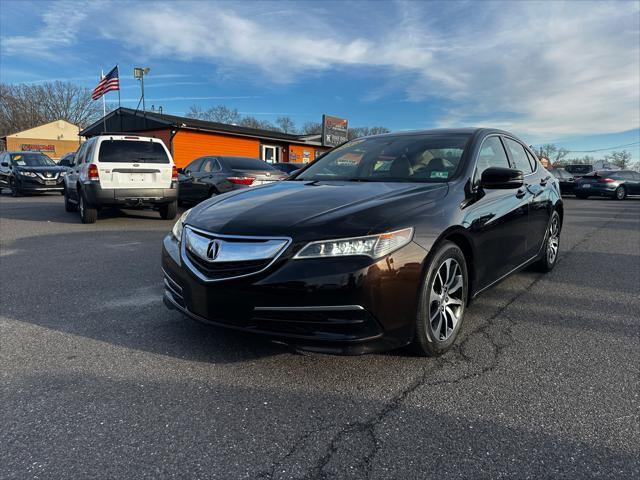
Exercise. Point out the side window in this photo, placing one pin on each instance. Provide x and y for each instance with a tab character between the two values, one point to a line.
636	176
80	155
491	154
194	166
532	160
518	155
88	158
210	165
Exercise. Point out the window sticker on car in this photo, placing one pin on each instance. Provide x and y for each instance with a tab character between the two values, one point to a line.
439	174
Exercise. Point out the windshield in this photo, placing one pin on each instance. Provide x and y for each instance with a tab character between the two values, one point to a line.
579	168
399	158
130	151
31	160
246	163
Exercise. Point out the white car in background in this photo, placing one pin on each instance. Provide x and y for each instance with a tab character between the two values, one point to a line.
126	171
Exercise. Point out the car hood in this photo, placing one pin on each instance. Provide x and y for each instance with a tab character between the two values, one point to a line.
313	209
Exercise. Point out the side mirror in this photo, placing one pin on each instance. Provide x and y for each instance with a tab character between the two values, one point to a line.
501	178
5	164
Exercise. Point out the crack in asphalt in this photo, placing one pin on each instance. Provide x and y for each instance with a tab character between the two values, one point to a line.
364	432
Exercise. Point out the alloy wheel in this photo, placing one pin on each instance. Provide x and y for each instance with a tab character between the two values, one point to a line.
553	243
446	302
620	193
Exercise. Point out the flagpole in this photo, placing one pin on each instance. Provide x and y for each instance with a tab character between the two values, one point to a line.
119	104
104	106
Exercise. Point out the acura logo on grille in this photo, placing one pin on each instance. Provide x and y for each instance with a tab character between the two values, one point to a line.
213	249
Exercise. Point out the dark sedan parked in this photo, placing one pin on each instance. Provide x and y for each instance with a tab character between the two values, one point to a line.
289	167
209	176
608	183
565	180
67	160
30	172
378	244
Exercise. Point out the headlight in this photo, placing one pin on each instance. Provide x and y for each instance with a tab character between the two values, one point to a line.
28	174
177	228
374	246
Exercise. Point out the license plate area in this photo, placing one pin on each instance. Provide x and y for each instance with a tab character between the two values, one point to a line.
49	182
586	185
136	177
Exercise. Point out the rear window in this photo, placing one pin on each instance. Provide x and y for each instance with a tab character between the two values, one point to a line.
579	168
244	163
112	151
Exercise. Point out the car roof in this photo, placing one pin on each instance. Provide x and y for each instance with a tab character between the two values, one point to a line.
132	137
448	131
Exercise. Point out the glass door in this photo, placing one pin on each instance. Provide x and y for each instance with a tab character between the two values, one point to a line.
270	153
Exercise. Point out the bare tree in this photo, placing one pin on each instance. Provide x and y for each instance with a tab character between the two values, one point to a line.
219	113
312	128
552	152
286	125
619	159
253	122
195	111
358	132
27	106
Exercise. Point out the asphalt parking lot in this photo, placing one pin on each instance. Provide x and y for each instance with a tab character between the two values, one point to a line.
99	380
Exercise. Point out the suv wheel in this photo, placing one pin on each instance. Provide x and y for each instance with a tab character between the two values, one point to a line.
442	302
168	211
69	206
88	214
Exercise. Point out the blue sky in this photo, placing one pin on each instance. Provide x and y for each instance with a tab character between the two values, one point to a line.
562	72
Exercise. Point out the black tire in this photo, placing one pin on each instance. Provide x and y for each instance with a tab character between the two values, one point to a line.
620	193
435	314
88	213
582	196
213	192
168	211
548	260
69	206
15	188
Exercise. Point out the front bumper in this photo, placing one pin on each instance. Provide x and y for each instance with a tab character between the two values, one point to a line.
35	184
349	305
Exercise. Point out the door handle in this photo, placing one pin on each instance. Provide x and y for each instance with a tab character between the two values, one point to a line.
544	181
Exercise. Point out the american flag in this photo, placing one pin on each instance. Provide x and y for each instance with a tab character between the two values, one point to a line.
109	82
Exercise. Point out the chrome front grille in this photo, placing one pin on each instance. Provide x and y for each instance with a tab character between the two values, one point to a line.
212	257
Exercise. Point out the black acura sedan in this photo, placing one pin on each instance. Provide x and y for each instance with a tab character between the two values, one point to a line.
30	172
380	243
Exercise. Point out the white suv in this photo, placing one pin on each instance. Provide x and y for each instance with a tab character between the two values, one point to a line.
125	171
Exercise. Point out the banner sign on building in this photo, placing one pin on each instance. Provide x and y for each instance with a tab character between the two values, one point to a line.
36	147
334	131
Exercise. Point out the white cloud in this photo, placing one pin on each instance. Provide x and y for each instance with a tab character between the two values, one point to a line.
547	68
54	40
